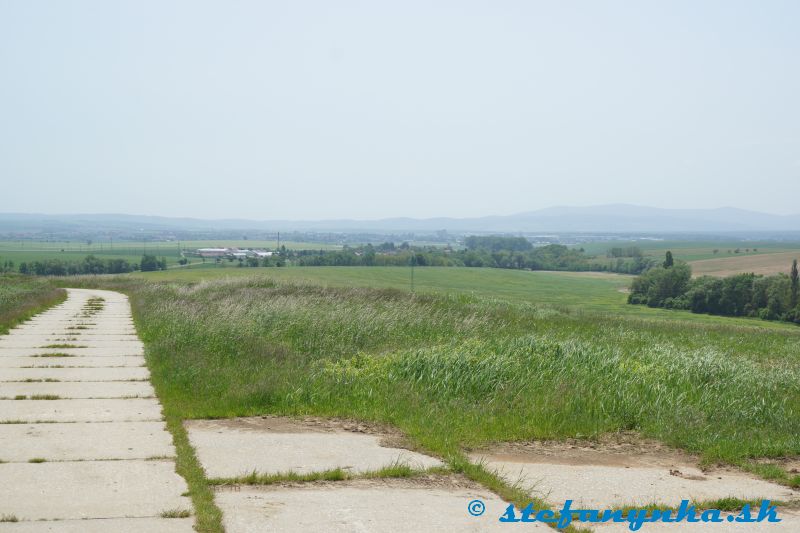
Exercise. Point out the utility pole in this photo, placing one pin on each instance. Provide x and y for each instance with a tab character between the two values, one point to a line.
413	261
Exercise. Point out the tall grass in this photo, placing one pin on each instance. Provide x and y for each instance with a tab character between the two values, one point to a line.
532	387
457	372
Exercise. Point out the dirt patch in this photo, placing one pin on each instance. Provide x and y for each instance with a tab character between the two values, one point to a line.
790	465
625	449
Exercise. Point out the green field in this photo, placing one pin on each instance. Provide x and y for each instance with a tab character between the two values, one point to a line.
581	292
693	250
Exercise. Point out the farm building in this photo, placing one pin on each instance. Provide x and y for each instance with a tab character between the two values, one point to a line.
212	252
231	252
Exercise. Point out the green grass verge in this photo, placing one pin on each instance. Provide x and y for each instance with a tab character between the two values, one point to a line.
397	470
22	297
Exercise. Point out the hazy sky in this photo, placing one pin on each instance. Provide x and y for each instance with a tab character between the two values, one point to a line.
340	109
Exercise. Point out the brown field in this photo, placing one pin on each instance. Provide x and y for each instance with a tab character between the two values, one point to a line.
759	264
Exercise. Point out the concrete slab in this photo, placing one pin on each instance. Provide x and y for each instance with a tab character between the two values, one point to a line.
79	330
78	316
73	361
79	335
126	434
74	374
790	523
90	489
117	525
34	341
234	447
601	487
82	441
79	389
86	352
605	475
42	330
106	410
75	318
379	507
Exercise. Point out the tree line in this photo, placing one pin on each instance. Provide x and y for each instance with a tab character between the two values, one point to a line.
88	265
671	286
489	252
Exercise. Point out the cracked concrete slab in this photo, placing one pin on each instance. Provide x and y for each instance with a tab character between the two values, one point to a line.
601	476
81	442
81	410
790	523
235	447
100	459
74	374
83	352
67	329
109	346
79	389
71	361
369	506
103	525
600	487
90	489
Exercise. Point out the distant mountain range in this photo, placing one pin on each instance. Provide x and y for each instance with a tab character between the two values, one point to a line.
617	218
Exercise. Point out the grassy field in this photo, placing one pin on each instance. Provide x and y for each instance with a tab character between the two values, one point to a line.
598	290
581	292
455	372
27	251
696	250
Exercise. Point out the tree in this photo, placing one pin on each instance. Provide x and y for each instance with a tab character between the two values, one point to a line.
795	285
658	285
149	263
496	243
668	261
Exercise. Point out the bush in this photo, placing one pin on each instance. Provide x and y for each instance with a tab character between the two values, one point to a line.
659	284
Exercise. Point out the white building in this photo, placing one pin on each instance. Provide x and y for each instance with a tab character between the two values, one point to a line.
212	252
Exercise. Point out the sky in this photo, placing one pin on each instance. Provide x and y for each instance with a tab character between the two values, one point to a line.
316	110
